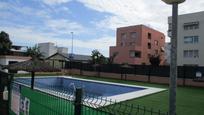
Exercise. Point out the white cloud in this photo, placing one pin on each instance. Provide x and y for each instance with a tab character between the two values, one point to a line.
64	26
4	5
15	10
130	12
191	6
101	43
31	35
55	2
121	13
134	12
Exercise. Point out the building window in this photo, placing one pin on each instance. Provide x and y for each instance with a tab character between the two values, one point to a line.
170	26
191	53
114	54
195	39
191	25
149	36
123	36
135	54
191	39
196	53
162	49
133	35
169	33
156	43
132	43
122	44
149	45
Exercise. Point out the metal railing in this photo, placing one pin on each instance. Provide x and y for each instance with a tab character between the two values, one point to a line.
186	72
54	100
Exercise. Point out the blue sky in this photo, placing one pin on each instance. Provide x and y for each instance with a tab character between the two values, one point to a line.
93	22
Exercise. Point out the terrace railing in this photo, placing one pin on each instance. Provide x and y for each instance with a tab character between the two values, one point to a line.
52	100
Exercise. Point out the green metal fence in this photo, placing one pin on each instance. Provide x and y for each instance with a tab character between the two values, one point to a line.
53	100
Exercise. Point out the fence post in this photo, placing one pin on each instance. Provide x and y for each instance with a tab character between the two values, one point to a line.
70	67
121	73
184	75
149	73
78	102
10	81
81	67
135	70
99	70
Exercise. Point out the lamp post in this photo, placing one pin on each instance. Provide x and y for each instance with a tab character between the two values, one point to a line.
72	33
173	64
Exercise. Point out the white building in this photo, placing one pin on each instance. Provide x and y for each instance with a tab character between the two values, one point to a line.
190	39
62	50
17	54
48	49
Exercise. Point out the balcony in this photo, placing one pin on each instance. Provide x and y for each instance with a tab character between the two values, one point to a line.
169	33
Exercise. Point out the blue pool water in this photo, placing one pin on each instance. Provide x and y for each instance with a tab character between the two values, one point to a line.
96	88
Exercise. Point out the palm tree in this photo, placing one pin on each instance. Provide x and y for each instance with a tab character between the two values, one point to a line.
34	52
97	57
112	57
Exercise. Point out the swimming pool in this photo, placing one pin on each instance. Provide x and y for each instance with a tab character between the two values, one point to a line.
114	91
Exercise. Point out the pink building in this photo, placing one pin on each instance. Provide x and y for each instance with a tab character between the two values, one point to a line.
135	44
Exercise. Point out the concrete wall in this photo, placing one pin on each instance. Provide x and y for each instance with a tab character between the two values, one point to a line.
62	50
47	49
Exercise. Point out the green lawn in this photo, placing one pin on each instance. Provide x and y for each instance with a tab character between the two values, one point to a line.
190	100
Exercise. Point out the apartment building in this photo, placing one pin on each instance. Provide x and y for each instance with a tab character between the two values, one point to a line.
135	45
190	39
48	49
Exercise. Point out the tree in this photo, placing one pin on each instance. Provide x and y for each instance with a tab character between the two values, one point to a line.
5	43
34	52
97	57
112	57
155	60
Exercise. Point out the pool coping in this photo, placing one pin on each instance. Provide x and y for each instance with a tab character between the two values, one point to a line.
125	96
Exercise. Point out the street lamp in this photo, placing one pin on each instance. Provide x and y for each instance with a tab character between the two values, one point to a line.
72	33
174	1
173	64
